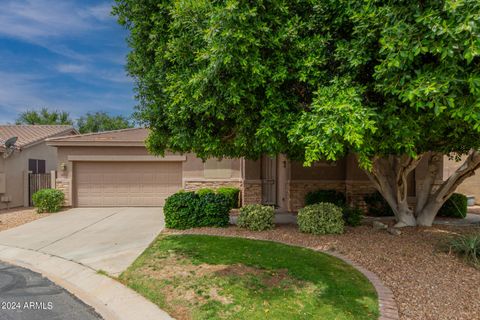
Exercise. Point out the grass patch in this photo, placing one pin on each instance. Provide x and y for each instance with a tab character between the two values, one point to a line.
210	277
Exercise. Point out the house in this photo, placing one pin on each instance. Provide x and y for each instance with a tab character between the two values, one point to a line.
29	153
114	169
471	186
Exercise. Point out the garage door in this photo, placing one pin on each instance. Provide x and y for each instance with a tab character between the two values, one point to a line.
112	184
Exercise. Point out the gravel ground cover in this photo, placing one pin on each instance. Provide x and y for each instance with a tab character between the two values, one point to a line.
426	282
14	217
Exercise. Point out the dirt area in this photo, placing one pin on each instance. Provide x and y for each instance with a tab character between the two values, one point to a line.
427	283
14	217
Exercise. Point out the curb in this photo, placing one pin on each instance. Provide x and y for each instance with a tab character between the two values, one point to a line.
109	298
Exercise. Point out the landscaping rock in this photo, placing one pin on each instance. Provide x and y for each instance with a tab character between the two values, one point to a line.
377	225
394	231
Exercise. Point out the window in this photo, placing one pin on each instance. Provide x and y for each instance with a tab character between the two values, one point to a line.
36	166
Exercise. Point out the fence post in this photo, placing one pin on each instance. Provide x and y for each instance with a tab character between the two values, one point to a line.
53	179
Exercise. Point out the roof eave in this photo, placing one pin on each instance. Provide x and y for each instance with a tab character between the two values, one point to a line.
59	143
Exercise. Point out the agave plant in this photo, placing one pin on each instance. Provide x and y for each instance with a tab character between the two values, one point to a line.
466	246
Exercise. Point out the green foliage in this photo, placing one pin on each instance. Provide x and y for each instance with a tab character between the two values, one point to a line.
232	193
204	191
377	206
466	246
454	207
213	210
181	211
321	218
48	200
101	121
256	217
44	117
311	79
332	196
184	210
352	216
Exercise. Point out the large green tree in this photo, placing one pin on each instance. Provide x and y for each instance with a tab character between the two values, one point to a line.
45	117
101	121
393	82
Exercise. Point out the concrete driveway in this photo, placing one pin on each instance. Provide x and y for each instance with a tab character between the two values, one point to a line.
108	239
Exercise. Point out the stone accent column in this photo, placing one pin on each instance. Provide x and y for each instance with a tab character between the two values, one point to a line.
252	192
64	185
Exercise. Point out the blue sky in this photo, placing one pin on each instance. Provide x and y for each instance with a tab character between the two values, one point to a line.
66	55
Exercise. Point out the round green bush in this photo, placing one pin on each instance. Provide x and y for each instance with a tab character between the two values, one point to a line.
213	210
333	196
377	206
321	218
352	216
232	193
203	191
48	200
454	207
256	217
180	210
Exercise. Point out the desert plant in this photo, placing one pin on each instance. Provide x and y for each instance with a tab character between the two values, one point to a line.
321	218
213	210
377	206
332	196
454	207
465	246
204	191
256	217
232	193
352	216
180	210
48	200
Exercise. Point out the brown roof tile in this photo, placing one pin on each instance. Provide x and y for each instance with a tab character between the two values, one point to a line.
30	134
124	135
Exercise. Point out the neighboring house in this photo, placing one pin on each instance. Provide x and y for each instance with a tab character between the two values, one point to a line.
30	153
469	187
114	169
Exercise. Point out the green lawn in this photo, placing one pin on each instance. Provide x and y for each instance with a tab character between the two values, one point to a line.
208	277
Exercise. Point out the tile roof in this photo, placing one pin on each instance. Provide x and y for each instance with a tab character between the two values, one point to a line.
133	135
30	134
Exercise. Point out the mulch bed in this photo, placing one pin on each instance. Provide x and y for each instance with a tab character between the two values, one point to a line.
15	217
426	282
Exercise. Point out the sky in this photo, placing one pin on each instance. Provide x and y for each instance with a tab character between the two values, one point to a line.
64	55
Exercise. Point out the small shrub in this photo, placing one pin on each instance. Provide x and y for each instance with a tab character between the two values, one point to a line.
180	210
352	216
214	210
467	247
256	217
321	218
331	196
48	200
377	206
454	207
204	191
232	193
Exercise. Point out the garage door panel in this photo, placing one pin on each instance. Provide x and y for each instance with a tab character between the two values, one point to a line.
126	183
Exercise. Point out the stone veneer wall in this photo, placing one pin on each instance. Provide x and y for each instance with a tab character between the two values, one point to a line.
192	185
252	192
63	185
356	191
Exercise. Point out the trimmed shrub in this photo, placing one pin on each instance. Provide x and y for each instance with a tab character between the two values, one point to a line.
377	206
256	217
332	196
232	193
214	210
352	216
48	200
180	210
454	207
321	218
203	191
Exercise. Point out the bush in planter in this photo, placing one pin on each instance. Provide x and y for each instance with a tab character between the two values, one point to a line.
319	196
180	210
377	206
232	193
321	218
213	210
352	216
204	191
48	200
454	207
256	217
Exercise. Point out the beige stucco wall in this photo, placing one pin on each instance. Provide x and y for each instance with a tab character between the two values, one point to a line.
318	171
17	165
469	187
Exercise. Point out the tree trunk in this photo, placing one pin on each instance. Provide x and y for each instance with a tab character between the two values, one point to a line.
389	176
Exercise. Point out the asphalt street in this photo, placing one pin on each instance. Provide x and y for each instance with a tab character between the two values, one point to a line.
27	295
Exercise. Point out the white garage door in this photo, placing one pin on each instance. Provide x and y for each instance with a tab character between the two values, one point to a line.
113	184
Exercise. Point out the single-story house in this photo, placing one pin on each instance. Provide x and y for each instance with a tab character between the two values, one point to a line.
29	153
115	169
471	185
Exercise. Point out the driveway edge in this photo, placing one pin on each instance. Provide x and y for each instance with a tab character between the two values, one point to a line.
111	299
